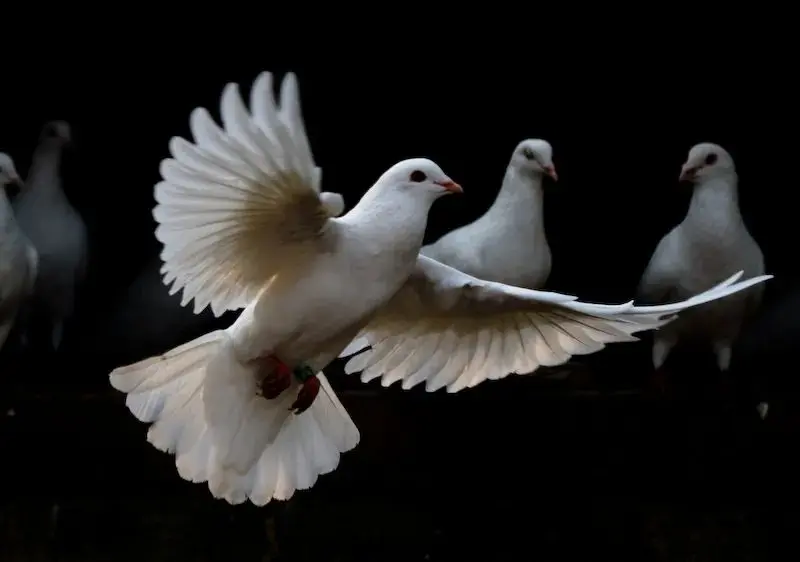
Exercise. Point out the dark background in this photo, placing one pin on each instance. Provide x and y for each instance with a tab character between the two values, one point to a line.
597	463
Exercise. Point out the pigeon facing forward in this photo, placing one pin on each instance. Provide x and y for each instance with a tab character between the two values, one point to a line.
243	225
18	259
711	243
56	230
508	243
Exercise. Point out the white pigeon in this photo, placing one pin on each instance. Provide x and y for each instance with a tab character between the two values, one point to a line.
243	225
18	258
508	243
711	243
56	230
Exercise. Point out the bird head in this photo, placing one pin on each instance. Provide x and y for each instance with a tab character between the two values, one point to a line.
535	156
705	161
57	133
419	177
8	173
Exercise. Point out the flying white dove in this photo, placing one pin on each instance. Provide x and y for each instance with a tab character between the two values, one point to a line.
508	243
18	258
710	243
56	230
243	225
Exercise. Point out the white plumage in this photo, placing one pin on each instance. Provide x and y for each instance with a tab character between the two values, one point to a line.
508	243
448	329
711	242
243	224
55	229
18	257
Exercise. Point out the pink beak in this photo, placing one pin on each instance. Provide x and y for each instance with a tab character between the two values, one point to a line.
450	186
687	173
551	171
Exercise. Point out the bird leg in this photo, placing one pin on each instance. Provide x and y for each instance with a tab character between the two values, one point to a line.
277	379
722	350
308	390
661	348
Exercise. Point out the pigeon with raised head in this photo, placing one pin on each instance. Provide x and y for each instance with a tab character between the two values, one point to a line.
243	225
18	258
56	230
710	243
508	243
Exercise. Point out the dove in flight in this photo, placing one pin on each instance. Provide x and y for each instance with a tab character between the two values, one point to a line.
243	225
56	230
18	257
710	243
508	243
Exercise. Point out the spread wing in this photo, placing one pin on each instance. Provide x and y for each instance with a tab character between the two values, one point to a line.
242	202
452	330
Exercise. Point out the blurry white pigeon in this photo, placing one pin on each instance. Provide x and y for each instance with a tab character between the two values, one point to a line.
243	225
508	243
710	243
56	230
18	259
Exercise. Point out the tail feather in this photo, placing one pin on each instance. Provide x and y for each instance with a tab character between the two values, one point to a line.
271	452
149	384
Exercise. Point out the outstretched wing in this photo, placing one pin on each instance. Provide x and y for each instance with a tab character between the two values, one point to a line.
242	202
447	328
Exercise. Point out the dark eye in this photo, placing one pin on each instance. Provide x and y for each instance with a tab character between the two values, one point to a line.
417	176
711	158
528	153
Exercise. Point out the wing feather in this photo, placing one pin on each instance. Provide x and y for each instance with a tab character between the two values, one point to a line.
448	329
242	202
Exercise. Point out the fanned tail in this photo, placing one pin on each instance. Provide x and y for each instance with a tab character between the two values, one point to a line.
263	460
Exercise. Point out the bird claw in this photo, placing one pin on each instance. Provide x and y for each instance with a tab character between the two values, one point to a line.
278	379
307	395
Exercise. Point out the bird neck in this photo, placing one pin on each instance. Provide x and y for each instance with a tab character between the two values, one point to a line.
45	166
390	221
715	202
520	200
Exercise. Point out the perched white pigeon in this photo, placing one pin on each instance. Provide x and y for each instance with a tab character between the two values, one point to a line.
508	243
18	258
56	230
710	243
243	225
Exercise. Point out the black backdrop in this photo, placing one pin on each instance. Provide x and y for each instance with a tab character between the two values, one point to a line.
619	132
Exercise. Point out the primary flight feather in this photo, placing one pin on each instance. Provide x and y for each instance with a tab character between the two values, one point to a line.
243	224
